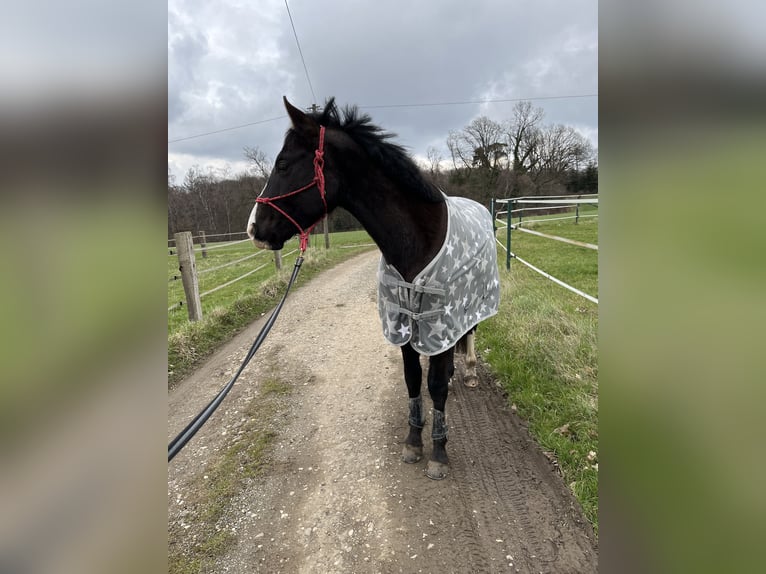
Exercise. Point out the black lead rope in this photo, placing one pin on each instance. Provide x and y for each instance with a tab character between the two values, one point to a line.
191	429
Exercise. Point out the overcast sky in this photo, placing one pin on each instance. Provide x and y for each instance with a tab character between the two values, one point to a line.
230	62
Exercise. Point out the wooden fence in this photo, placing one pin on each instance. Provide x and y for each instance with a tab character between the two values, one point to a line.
184	248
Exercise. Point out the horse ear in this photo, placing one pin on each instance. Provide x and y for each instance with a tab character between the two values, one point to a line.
302	122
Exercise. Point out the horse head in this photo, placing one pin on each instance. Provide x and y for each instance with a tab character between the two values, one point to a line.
296	196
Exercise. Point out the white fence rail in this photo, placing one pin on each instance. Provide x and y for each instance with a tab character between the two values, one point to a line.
555	237
205	236
551	202
217	267
240	277
190	274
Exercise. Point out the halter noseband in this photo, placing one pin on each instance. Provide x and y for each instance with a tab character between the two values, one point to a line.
318	181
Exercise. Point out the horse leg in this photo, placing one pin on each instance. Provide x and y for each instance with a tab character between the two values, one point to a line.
440	369
413	376
470	379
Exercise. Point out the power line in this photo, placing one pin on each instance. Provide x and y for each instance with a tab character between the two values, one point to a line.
226	129
300	52
421	105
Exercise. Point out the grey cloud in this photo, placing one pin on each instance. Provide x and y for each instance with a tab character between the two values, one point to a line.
186	48
377	53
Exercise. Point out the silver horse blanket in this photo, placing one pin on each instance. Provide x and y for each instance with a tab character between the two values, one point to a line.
459	288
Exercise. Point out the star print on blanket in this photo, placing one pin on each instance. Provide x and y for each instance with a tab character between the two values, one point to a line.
459	288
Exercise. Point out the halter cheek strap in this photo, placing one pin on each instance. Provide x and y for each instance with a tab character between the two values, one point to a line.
318	181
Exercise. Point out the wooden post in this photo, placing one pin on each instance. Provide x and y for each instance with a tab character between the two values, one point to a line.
203	243
326	233
577	213
188	268
278	259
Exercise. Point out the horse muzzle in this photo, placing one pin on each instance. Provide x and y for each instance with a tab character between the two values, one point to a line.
260	243
265	245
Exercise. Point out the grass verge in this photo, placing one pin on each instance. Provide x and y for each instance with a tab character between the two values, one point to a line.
190	343
577	266
542	347
225	262
197	540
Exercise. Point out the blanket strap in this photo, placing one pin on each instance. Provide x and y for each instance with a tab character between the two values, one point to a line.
385	279
394	308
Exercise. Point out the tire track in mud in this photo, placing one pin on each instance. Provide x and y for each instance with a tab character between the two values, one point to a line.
337	498
517	495
503	508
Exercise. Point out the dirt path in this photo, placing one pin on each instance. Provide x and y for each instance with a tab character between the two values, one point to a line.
336	497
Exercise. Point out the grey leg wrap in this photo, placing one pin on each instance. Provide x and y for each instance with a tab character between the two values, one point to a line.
439	428
417	418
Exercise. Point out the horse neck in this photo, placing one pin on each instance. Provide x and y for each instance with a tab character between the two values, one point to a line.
408	230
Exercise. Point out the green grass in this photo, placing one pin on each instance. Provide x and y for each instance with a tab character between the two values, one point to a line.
575	265
227	311
250	284
243	459
542	347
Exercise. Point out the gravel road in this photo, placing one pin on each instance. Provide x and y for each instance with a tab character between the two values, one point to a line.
335	496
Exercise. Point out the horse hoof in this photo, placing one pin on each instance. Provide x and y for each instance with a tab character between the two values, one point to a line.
436	470
471	381
412	454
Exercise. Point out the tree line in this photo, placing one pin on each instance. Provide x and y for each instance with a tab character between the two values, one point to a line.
519	156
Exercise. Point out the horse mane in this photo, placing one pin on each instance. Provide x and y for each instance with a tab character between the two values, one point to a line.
391	158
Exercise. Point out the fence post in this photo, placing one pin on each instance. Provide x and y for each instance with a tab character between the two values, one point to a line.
577	213
509	207
278	259
188	268
492	213
326	233
203	243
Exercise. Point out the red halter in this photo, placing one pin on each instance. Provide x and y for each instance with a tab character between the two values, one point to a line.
318	181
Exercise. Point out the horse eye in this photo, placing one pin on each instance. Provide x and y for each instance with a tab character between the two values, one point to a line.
281	165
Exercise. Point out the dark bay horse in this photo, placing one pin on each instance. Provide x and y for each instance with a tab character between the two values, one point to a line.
438	272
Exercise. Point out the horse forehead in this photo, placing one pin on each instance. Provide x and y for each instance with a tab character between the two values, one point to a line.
293	141
296	143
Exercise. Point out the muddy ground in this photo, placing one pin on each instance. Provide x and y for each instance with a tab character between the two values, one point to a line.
335	496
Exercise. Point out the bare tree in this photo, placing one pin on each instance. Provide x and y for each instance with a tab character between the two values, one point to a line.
479	145
172	210
434	161
484	138
201	185
563	148
262	165
523	136
460	157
